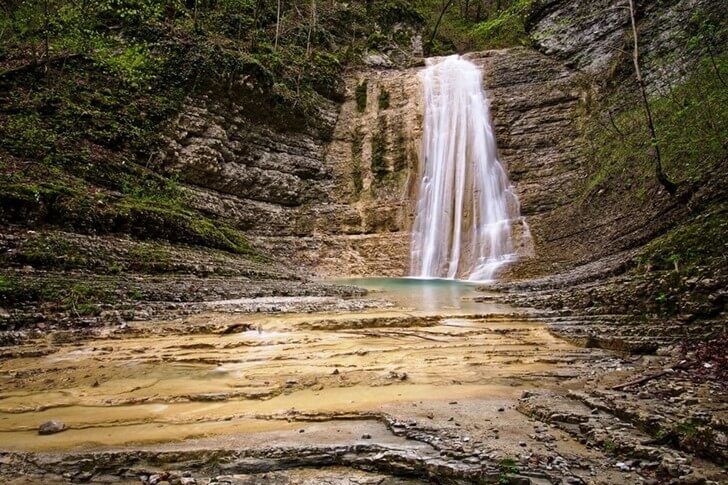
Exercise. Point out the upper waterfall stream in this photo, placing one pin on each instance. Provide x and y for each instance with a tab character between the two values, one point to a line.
466	206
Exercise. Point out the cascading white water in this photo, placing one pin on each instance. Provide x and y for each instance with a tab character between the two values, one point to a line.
462	227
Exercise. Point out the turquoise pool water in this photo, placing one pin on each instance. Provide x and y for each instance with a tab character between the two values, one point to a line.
427	294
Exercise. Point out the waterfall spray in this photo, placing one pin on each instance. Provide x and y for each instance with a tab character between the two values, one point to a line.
466	205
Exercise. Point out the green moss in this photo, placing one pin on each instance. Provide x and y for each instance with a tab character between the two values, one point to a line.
135	294
7	284
149	257
59	291
356	159
83	299
693	243
383	99
11	290
507	467
690	123
361	95
697	437
25	133
145	217
400	151
609	446
52	251
379	149
146	220
87	309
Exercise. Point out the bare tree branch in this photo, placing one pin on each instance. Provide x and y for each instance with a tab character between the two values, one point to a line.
661	177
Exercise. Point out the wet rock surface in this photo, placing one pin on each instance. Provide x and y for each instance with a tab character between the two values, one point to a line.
51	427
610	303
590	36
393	396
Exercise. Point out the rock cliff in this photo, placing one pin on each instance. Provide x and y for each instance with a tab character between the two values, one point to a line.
334	200
337	199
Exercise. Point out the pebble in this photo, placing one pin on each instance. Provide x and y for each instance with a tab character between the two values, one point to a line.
51	427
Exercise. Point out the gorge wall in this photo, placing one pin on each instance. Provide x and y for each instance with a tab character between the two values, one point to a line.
333	194
244	200
332	200
337	200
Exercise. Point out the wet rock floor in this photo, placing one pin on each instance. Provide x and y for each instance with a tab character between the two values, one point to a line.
397	395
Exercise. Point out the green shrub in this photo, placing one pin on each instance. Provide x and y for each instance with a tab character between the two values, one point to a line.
690	121
384	100
507	28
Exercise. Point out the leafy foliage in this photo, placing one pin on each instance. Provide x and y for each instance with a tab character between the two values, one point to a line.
477	24
507	28
87	87
690	119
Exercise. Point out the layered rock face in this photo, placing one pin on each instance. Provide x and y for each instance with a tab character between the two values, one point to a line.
594	36
339	201
362	226
533	101
336	198
333	200
585	44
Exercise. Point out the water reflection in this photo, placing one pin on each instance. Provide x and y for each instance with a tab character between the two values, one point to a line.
426	294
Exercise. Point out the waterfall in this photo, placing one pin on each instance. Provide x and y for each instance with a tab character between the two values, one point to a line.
466	206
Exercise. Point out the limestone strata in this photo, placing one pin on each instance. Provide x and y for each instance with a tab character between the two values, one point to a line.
593	36
311	194
334	195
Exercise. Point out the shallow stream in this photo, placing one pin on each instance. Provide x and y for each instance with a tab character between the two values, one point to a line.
220	376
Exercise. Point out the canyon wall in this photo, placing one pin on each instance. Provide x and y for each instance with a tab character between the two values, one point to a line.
336	198
338	201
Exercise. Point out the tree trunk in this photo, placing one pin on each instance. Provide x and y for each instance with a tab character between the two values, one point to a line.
311	28
446	4
278	26
46	29
661	177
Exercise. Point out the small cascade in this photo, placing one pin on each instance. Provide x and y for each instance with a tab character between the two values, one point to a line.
466	206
